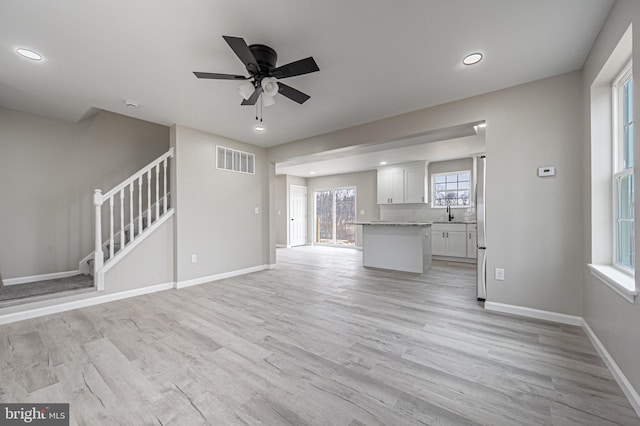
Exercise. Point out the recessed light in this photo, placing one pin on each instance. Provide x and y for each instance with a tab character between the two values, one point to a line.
382	163
312	173
29	54
473	58
259	128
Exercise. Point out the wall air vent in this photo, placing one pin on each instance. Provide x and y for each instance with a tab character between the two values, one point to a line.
235	161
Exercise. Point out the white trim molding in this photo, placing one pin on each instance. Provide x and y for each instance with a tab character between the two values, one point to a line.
63	306
43	277
623	284
216	277
533	313
627	388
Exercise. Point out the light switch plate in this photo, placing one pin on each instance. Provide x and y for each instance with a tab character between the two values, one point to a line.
194	258
256	210
499	274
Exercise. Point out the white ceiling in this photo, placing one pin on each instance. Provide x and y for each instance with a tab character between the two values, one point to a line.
377	58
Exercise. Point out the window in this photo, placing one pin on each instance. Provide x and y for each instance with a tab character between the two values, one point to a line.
335	214
451	189
234	160
623	187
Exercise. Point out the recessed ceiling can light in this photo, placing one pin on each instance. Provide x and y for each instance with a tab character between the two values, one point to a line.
29	54
259	128
312	173
382	163
473	58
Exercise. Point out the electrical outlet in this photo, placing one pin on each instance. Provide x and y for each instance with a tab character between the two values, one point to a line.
362	212
194	258
499	274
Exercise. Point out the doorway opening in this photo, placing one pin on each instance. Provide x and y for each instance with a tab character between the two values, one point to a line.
335	214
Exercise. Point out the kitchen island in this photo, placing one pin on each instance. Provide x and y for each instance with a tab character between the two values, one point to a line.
399	246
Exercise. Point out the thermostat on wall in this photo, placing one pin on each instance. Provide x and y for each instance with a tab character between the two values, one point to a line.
546	171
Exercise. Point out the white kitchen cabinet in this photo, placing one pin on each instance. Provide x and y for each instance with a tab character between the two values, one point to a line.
403	183
391	185
449	239
415	183
472	238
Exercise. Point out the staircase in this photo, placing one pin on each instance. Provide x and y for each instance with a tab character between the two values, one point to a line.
127	214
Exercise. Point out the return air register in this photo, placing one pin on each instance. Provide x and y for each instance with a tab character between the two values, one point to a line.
546	171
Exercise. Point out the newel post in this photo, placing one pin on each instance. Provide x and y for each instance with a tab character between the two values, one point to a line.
98	255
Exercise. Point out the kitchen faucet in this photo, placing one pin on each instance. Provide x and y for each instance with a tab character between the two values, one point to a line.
449	212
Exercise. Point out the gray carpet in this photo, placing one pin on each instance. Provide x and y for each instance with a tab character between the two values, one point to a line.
23	291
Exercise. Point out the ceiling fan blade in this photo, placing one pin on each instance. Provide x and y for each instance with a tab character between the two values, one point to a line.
303	66
240	48
293	94
220	76
254	97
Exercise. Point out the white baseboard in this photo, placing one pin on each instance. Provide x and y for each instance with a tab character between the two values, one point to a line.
91	301
43	277
272	266
207	279
533	313
281	246
621	379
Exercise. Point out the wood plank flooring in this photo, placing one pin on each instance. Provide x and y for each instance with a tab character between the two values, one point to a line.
319	340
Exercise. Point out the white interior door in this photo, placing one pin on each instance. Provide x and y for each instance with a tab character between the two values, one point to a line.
297	215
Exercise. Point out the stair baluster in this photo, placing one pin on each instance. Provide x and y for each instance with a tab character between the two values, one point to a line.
140	205
132	229
164	186
157	191
111	227
149	198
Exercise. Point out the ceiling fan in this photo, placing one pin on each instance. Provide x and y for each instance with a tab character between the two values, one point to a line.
260	62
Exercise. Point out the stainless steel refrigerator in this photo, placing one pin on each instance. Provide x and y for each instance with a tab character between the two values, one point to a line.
481	170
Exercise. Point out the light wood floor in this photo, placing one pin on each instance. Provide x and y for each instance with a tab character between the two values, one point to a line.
319	340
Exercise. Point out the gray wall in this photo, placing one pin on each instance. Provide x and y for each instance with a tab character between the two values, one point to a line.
150	263
528	126
48	171
366	197
613	319
215	217
282	195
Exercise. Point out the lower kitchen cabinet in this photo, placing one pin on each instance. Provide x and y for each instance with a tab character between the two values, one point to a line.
449	239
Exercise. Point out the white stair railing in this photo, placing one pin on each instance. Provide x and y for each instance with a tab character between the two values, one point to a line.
116	202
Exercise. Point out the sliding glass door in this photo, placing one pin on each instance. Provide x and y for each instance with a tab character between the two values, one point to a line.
335	214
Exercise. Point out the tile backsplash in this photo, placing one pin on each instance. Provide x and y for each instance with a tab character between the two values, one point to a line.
422	212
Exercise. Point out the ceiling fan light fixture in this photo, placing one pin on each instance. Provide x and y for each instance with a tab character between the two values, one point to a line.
269	86
268	101
259	128
246	90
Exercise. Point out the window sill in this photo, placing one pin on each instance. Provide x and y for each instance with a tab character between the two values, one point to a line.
618	281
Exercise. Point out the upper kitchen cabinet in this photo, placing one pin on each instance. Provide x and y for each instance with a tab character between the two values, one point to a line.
391	185
403	183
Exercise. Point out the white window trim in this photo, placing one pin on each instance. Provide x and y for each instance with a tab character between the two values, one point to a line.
622	283
618	171
433	191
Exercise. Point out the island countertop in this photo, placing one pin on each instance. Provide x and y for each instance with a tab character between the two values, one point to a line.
375	223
